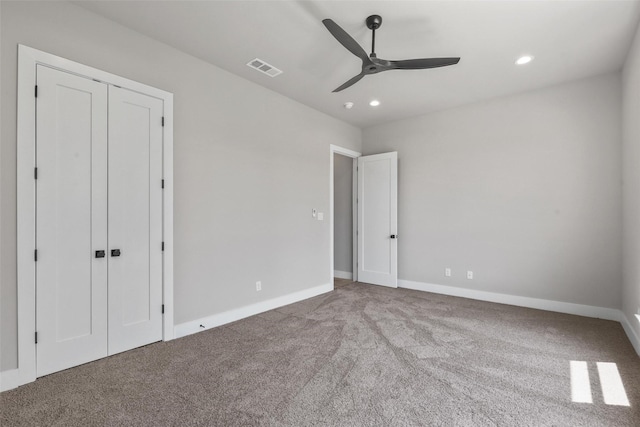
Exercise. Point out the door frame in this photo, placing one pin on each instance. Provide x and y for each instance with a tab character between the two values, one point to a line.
335	149
28	59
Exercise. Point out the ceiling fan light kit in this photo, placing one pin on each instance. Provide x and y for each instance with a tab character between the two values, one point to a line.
371	64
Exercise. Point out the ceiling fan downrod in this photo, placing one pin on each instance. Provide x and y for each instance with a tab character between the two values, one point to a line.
373	23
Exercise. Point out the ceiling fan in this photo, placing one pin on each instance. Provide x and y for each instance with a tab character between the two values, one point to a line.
371	64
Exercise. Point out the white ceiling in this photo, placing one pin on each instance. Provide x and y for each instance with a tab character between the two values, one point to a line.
569	39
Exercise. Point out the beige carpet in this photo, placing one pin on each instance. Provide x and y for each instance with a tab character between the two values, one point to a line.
359	356
337	283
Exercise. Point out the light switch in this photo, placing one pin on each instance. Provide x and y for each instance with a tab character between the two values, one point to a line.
320	216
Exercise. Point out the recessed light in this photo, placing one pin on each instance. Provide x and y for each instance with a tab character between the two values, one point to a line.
374	103
348	105
524	60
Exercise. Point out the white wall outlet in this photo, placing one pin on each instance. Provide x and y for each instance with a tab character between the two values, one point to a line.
447	272
258	286
314	212
470	275
320	216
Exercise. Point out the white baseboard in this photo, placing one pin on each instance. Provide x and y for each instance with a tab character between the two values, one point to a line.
630	331
540	304
342	274
219	319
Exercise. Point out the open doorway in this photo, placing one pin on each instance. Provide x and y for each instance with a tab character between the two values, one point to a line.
343	216
342	220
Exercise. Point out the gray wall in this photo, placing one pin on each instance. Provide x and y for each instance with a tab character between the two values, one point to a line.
343	213
525	191
249	166
631	174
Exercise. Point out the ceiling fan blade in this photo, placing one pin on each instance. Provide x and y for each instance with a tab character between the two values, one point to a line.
350	82
345	39
420	64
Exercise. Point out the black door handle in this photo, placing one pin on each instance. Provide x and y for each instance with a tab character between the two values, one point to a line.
394	236
115	252
99	254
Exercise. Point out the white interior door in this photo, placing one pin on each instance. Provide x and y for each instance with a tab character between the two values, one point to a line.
378	219
135	219
71	220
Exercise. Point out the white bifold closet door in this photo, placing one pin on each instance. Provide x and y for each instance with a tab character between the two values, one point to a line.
71	220
135	219
98	220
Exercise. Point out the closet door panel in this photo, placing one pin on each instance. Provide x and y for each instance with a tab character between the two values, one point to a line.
71	220
135	219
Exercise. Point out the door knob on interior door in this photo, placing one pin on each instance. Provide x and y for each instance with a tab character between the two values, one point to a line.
394	236
115	252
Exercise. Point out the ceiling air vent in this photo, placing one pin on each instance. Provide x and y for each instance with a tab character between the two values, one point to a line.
263	67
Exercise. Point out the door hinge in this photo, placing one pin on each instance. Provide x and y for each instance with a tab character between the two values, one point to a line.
163	121
163	246
36	337
35	173
35	255
162	308
162	183
36	91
